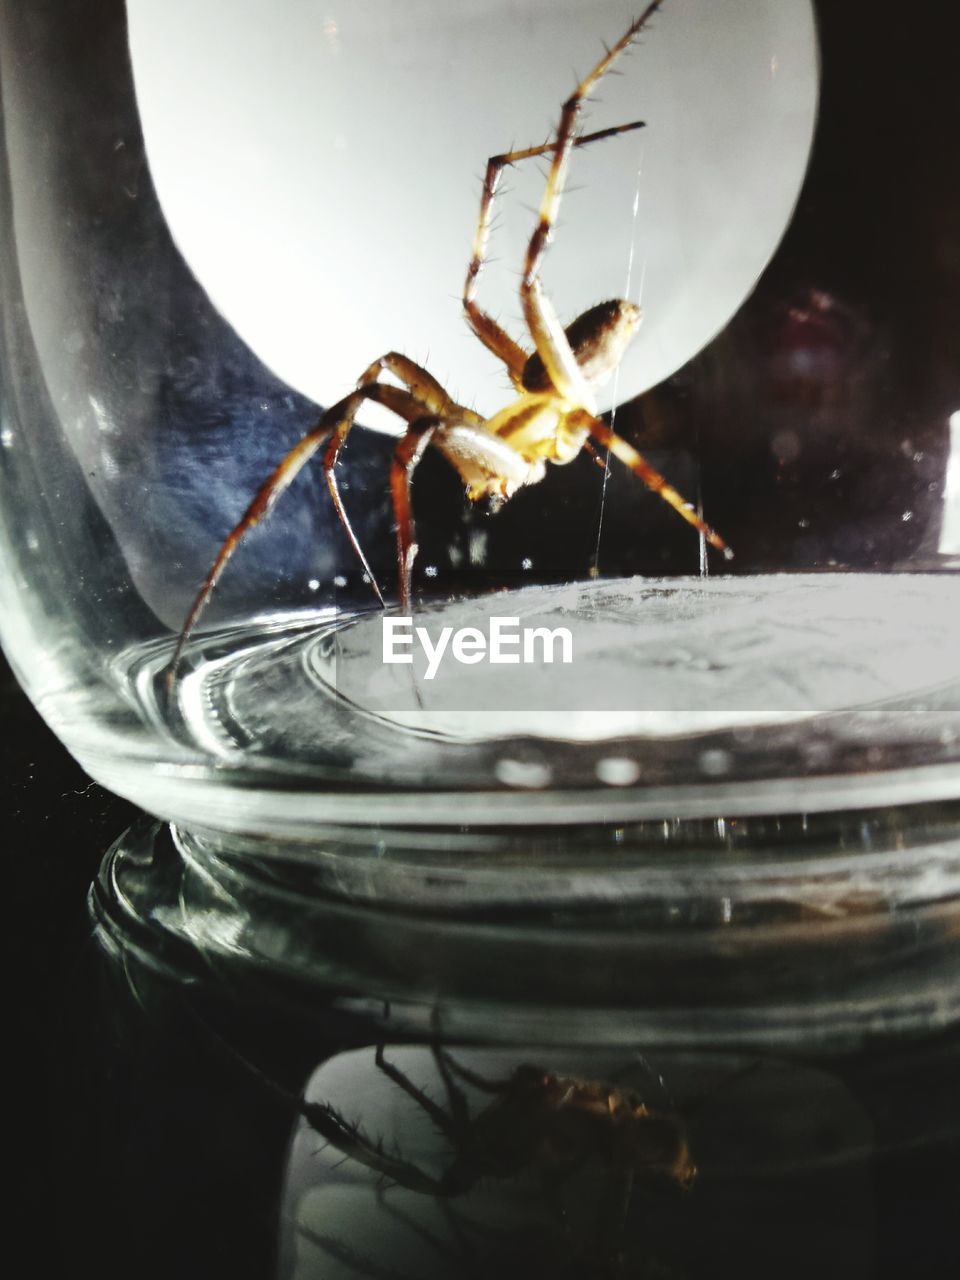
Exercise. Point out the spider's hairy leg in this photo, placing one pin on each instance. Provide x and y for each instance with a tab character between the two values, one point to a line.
592	453
330	458
456	1100
265	498
545	329
347	1138
333	426
491	334
407	455
427	394
418	381
488	465
650	477
410	1223
424	394
403	1081
471	1077
581	140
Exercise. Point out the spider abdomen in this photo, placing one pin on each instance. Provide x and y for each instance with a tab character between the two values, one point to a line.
598	338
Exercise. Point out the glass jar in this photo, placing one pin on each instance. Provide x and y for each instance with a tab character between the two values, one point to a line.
214	220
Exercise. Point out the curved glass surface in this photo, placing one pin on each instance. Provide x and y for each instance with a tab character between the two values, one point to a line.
212	223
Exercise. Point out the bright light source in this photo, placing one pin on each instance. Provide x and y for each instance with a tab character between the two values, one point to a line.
320	178
950	528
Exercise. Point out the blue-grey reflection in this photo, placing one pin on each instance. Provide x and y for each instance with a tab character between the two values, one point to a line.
172	420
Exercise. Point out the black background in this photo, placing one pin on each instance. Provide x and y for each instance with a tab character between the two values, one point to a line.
133	1149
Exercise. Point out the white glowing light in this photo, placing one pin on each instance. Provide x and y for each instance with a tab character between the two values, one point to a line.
950	528
320	177
617	771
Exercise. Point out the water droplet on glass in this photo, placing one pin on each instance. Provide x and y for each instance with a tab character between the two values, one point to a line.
523	773
617	771
715	762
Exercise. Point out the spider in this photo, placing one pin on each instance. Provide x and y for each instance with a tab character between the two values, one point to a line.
554	414
552	1126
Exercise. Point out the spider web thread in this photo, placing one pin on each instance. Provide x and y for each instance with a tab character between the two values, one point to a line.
595	568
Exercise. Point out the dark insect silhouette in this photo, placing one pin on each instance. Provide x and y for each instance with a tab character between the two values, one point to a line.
537	1124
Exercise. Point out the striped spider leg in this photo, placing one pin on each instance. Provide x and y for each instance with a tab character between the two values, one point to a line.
491	334
420	397
566	365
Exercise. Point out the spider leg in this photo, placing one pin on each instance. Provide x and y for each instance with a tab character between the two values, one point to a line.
425	392
650	477
491	334
330	458
408	453
411	1224
591	452
334	426
428	393
349	1257
472	1077
348	1139
545	328
418	381
456	1100
402	1080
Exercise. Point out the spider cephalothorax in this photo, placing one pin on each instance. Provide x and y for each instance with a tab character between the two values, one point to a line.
554	414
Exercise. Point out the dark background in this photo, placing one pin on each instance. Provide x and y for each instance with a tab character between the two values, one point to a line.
57	825
135	1147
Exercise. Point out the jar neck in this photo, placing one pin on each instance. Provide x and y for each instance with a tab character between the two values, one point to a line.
745	934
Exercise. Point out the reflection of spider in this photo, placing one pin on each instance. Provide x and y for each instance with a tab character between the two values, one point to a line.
555	1123
552	1126
554	414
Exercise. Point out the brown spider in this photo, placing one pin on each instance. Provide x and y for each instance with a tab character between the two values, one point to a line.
536	1122
553	417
